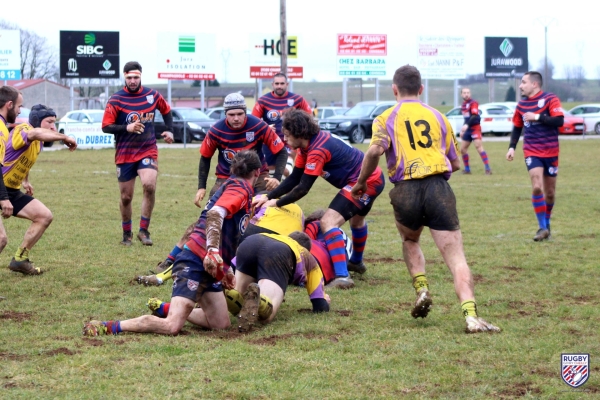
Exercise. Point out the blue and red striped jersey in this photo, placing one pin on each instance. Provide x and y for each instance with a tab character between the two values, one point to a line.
124	108
539	140
468	108
270	107
229	141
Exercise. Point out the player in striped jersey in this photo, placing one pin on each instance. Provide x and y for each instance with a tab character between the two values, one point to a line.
421	153
540	115
471	132
129	115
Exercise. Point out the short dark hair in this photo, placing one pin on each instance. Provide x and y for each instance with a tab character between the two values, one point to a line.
314	216
8	93
280	74
302	238
245	163
132	65
408	80
299	123
535	76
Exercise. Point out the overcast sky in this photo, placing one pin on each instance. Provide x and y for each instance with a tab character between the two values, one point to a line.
572	33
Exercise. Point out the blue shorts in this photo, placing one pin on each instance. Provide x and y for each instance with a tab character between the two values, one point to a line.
190	280
471	134
128	171
549	164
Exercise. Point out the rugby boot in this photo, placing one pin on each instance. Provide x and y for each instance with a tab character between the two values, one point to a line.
162	266
144	237
149	280
249	313
127	236
542	234
466	172
341	282
488	171
477	324
94	328
25	267
422	304
359	267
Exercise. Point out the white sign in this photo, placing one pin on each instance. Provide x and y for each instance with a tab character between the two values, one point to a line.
265	49
361	66
89	136
441	57
10	55
181	53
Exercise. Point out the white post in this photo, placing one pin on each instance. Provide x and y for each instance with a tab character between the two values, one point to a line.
376	89
202	105
345	92
426	90
169	93
456	93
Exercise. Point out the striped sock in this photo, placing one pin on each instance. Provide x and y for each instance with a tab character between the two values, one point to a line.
484	158
539	207
337	251
163	310
176	250
126	226
466	162
112	327
549	208
359	241
144	223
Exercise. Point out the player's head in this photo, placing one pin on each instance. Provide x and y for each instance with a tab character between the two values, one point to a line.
407	81
245	164
302	238
314	216
133	76
235	110
297	125
11	101
465	93
531	83
280	84
42	116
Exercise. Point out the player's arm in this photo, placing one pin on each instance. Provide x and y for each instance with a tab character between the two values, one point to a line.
549	120
7	207
294	187
47	135
280	163
214	224
257	110
306	107
370	162
109	123
203	169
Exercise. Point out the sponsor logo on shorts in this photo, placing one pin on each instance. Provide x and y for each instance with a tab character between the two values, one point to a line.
290	102
118	172
365	199
273	115
575	369
249	136
146	161
192	285
528	161
150	99
348	188
541	103
325	174
553	170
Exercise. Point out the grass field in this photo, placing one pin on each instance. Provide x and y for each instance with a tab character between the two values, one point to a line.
545	296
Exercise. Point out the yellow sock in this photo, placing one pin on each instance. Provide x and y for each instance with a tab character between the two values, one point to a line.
22	254
469	308
235	301
420	282
265	308
166	274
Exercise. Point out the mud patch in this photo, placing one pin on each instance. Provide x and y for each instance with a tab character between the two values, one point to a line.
93	342
344	313
588	236
376	281
15	316
519	390
477	278
12	357
582	300
60	350
385	260
512	268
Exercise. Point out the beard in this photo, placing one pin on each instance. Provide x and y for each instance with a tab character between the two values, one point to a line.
135	88
279	92
11	115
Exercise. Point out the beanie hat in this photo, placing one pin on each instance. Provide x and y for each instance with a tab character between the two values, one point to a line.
38	113
233	101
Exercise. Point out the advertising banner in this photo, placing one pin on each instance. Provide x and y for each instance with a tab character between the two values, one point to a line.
10	55
506	57
441	57
187	56
85	54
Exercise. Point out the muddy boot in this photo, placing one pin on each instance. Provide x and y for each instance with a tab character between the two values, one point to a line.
249	313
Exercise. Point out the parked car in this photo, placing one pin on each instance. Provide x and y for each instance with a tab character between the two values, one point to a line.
573	125
79	116
495	119
590	114
215	113
355	124
195	122
326	112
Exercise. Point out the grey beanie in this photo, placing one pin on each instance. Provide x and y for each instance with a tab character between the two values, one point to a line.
38	113
233	101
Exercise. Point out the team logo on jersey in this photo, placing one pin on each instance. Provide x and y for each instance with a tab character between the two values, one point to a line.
277	141
273	115
192	285
244	223
249	136
133	117
541	103
290	102
228	155
150	99
575	369
311	166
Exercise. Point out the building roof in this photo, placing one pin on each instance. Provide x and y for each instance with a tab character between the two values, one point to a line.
25	83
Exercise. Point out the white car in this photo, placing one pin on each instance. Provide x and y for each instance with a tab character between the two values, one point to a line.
495	119
590	114
79	116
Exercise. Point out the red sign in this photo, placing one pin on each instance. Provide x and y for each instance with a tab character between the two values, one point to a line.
361	45
184	76
269	72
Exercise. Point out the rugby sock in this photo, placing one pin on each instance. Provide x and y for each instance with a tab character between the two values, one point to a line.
469	308
22	254
176	250
163	310
144	223
420	282
265	308
359	240
126	226
337	251
549	208
112	327
466	162
539	207
235	301
485	160
166	274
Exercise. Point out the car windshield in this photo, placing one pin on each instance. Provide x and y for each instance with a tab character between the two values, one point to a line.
96	116
191	114
360	110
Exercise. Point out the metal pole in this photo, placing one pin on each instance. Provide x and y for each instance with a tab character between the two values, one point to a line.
545	52
456	93
426	90
71	94
169	92
345	93
283	40
376	89
202	105
260	89
291	86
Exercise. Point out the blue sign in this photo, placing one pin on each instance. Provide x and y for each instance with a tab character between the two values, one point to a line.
10	74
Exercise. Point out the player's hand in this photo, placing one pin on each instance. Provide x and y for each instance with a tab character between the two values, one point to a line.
213	262
199	197
135	127
258	201
168	136
7	208
511	154
271	183
327	298
70	142
463	129
228	281
28	188
358	190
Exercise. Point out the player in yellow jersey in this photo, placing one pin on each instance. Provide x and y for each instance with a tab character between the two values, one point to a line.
422	153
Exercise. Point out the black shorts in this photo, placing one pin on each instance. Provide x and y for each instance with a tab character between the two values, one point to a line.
18	200
261	257
425	202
